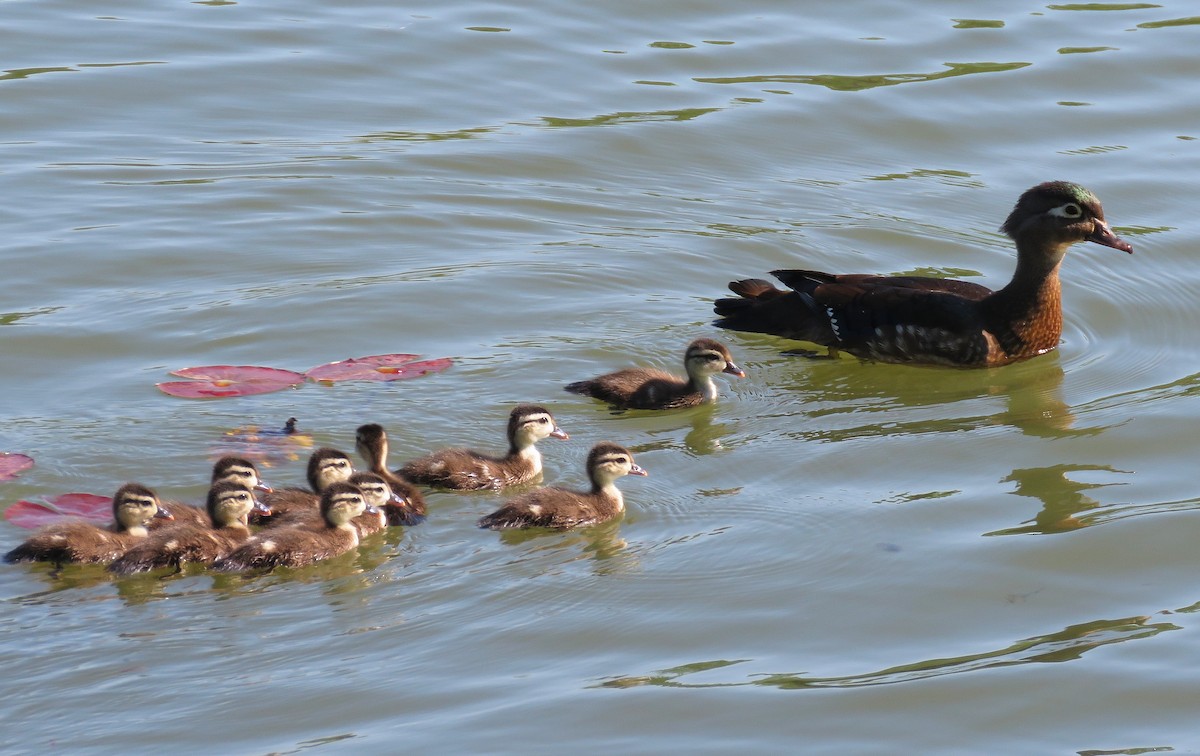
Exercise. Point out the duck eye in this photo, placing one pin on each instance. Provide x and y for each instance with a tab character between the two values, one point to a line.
1069	210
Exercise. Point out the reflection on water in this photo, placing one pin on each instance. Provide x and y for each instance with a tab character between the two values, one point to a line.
1062	498
870	81
601	544
1068	644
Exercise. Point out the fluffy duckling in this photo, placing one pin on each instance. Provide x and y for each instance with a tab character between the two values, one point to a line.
371	442
467	470
561	508
647	388
303	545
375	490
229	468
134	506
325	466
229	504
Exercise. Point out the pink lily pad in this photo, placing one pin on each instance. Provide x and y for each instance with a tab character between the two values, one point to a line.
379	367
34	514
218	381
12	464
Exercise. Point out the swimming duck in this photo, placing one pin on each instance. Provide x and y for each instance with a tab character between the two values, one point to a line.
561	508
303	545
134	506
371	442
466	470
375	490
932	320
228	468
229	504
646	388
325	466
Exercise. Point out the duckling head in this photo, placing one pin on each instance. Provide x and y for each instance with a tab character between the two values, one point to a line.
239	470
230	503
608	461
341	502
327	466
134	506
530	423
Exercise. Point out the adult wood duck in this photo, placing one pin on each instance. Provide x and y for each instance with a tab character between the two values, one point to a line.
647	388
931	320
467	470
371	443
303	545
229	504
561	508
134	506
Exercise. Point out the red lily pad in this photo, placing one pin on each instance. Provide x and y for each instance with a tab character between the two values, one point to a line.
34	514
379	367
219	381
266	446
12	464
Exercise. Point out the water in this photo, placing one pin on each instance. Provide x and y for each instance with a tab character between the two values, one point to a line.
838	557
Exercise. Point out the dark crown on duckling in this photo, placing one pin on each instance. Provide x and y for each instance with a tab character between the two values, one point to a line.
467	470
228	506
78	541
646	388
932	320
561	508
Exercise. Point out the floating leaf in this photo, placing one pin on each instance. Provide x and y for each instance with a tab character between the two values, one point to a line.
217	381
34	514
379	367
266	446
11	464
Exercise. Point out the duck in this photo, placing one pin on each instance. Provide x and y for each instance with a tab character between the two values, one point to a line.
325	466
467	470
650	389
935	321
304	544
562	508
371	443
228	468
228	506
375	490
78	541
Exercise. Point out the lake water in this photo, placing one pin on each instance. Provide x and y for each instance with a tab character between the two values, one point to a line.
839	557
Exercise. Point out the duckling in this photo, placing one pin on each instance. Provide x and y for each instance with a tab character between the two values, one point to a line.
646	388
467	470
303	545
228	468
371	442
325	466
229	504
936	321
79	541
561	508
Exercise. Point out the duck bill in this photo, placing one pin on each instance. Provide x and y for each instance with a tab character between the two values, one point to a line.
1102	234
371	509
261	508
164	514
558	433
263	486
638	470
734	370
398	500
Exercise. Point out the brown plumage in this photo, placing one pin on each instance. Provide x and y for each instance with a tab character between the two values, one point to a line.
376	492
931	320
467	470
134	506
646	388
229	468
229	504
371	442
561	508
303	545
325	466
